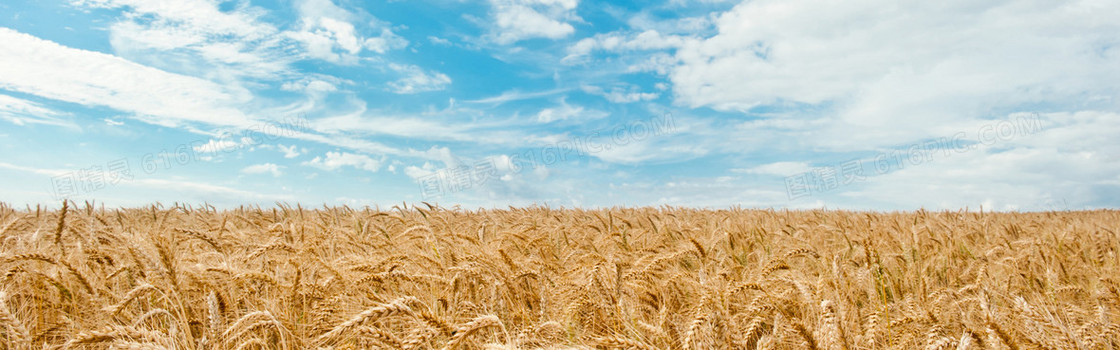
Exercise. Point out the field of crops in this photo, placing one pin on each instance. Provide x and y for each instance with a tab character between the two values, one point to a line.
174	277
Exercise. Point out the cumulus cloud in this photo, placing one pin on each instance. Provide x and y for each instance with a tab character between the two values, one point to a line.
328	33
335	160
517	20
887	62
217	145
872	77
442	154
417	172
291	151
385	42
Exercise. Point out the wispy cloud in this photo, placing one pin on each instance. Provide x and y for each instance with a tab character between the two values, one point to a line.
776	168
196	37
758	90
23	112
621	94
401	126
34	170
517	95
266	168
566	111
417	80
44	68
208	192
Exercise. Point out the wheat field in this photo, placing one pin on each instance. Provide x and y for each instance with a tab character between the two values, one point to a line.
422	277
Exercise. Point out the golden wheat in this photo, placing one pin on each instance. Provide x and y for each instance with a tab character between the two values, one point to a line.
540	278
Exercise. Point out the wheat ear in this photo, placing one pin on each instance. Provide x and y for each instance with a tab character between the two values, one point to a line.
398	306
16	328
471	327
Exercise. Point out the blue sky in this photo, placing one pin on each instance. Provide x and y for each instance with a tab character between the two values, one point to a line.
1009	105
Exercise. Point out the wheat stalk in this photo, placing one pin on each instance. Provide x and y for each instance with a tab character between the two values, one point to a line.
466	329
666	278
623	343
17	331
398	306
142	289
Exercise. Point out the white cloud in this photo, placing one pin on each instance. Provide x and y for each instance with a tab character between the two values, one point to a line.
416	172
634	151
335	160
47	69
620	42
885	62
196	37
217	145
387	41
33	170
22	112
517	95
647	21
439	41
147	190
1026	174
718	192
200	13
641	49
517	20
352	143
621	94
44	68
403	126
566	111
777	168
266	168
1061	162
206	191
657	62
317	85
847	80
328	33
442	154
291	151
417	80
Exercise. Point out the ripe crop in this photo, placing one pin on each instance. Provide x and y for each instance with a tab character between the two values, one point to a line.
424	277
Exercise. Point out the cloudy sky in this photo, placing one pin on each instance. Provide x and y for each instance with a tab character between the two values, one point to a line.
1009	105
